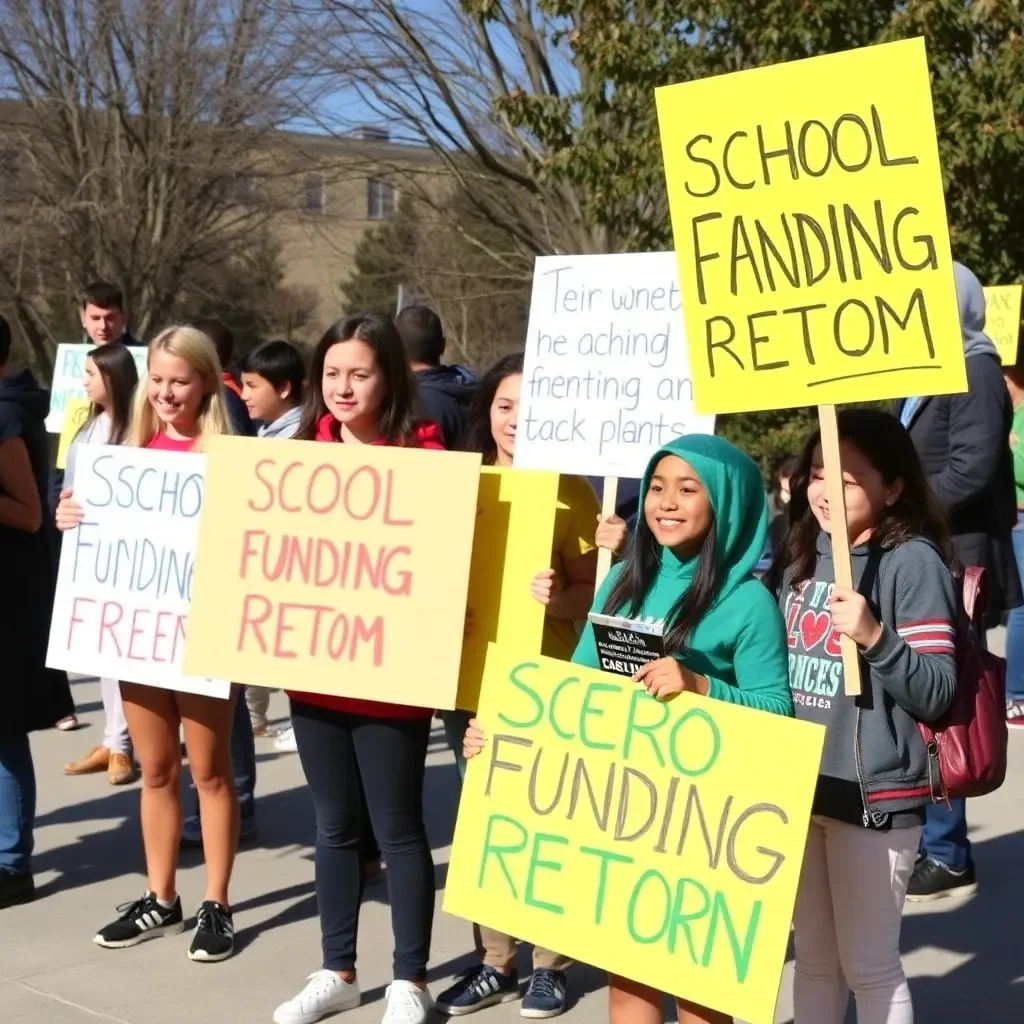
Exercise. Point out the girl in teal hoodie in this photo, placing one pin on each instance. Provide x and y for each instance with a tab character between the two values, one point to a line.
689	566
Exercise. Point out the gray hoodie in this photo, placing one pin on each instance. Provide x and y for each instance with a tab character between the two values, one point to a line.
970	298
874	770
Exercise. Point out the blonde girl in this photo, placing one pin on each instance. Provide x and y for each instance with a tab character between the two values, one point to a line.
178	406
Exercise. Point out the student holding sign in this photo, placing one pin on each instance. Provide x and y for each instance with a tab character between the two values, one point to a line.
110	381
180	404
566	589
688	571
360	391
874	784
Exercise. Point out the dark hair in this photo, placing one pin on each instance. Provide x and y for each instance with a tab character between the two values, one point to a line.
102	294
280	363
220	334
885	443
116	366
422	335
788	467
5	340
477	435
639	570
395	417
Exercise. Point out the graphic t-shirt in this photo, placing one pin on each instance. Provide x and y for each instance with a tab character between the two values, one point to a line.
575	529
815	657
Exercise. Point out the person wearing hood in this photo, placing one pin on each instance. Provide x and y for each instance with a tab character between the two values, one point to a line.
963	442
32	696
701	530
445	391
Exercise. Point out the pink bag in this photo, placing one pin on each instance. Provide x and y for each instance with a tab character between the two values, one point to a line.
967	745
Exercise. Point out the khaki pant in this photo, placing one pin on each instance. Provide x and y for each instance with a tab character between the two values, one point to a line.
257	699
499	950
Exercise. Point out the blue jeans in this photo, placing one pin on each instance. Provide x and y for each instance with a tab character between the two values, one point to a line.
945	835
17	805
243	763
1015	624
455	723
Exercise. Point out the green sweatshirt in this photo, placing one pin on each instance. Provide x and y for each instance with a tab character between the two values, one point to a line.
740	644
1017	447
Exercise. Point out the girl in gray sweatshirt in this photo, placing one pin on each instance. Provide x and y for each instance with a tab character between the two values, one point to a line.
873	785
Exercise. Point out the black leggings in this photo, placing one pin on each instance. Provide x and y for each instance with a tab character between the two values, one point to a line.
335	749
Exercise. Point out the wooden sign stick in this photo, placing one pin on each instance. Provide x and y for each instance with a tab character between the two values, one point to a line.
840	538
608	503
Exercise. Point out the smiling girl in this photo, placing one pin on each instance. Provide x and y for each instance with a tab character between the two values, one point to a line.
360	391
699	534
874	782
110	382
179	405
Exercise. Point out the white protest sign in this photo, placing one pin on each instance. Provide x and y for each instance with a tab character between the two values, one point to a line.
606	379
125	580
68	374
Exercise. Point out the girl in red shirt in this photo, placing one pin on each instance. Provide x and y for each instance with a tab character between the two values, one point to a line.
178	404
360	391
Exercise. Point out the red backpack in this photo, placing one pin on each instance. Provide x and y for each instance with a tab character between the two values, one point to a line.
967	745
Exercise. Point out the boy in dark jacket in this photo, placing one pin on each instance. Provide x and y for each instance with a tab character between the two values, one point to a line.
445	391
963	441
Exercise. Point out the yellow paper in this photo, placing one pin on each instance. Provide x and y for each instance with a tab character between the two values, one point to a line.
515	523
810	227
1002	319
333	568
76	412
580	829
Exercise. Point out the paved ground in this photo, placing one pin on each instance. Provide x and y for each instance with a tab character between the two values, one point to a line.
966	960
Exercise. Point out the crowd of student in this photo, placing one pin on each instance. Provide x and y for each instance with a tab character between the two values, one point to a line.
927	490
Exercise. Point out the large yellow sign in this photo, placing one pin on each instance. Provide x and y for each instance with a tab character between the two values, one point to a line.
76	412
515	524
1002	319
333	568
661	841
810	227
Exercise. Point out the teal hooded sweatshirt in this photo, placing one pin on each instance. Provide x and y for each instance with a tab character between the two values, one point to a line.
740	643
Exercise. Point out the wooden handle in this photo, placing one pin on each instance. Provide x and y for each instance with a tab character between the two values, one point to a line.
611	498
840	537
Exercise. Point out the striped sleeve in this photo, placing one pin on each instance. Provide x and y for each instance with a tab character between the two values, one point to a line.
929	636
914	659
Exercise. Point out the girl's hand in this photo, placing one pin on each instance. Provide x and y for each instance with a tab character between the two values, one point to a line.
612	534
666	677
473	741
69	512
544	586
852	617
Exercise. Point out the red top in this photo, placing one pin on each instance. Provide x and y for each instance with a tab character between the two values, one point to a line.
230	382
161	442
424	435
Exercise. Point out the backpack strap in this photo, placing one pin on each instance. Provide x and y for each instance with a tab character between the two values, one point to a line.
975	594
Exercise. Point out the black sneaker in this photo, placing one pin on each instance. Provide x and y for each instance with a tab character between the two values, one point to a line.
477	988
934	881
144	919
214	937
546	995
15	888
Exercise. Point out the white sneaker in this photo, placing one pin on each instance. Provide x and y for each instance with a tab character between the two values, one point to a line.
324	993
284	741
407	1004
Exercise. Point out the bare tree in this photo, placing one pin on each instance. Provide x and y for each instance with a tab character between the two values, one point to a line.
142	134
516	116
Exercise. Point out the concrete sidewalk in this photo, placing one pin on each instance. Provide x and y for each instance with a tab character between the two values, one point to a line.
966	959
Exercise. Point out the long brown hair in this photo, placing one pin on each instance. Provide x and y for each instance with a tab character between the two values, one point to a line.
885	443
395	417
116	365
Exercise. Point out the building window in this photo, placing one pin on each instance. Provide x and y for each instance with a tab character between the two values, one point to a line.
313	200
241	188
380	199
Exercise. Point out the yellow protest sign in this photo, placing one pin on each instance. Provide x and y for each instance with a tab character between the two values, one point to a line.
334	568
76	412
1002	319
661	841
515	522
810	227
